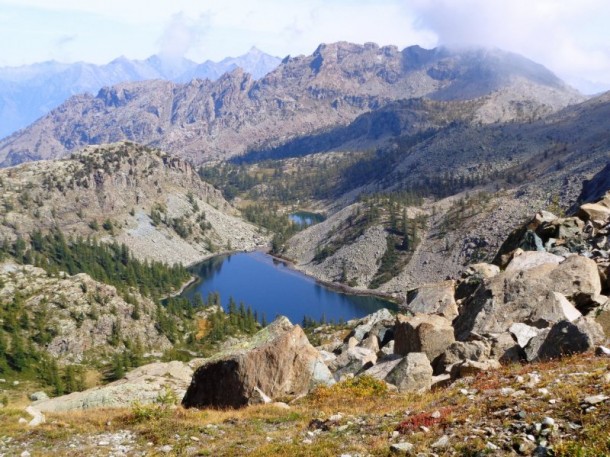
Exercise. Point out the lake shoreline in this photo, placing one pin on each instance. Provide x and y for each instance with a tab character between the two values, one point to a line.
338	287
292	293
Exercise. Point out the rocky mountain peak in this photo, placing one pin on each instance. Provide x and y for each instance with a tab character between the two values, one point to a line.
305	94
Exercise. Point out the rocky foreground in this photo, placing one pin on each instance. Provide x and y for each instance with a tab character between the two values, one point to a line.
479	366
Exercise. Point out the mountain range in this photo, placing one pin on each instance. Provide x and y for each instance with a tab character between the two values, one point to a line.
203	120
31	91
484	137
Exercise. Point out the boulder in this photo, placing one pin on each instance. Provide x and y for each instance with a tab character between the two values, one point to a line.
364	325
39	396
564	338
473	368
504	349
523	333
352	361
430	334
371	342
387	350
460	351
382	369
542	217
531	242
595	212
569	227
484	270
327	356
144	385
526	260
577	278
412	374
436	298
278	360
553	308
384	331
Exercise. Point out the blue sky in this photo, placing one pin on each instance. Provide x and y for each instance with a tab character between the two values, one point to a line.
571	37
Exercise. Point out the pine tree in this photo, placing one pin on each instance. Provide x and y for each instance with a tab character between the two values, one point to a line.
19	357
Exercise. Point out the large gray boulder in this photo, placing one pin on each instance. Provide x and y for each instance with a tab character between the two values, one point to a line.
430	334
144	385
565	338
554	307
363	326
526	296
278	360
383	368
435	298
523	333
352	361
412	374
460	351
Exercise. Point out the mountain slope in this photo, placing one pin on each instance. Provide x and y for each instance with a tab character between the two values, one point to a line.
477	180
202	120
31	91
155	204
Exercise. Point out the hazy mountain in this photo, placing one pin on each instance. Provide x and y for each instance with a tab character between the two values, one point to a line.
255	62
31	91
202	120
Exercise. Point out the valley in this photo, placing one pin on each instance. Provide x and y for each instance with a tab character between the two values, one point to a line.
423	230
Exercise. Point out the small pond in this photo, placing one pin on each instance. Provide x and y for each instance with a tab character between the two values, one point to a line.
271	288
305	218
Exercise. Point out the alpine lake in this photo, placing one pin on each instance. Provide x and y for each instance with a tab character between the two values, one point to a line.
271	288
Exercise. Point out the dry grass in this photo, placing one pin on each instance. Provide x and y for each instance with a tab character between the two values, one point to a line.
365	416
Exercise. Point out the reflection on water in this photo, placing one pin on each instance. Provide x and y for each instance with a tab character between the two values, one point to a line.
306	218
271	289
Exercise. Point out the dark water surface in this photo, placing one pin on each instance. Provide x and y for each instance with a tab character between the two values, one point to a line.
271	288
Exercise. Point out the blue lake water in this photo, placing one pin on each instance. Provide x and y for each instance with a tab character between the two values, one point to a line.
271	288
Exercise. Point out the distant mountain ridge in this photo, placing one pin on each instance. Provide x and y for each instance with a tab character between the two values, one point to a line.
31	91
204	120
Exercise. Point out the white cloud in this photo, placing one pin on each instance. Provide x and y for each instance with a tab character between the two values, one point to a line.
568	36
182	34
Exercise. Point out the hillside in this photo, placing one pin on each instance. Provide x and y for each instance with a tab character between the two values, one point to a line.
74	318
470	182
155	204
204	120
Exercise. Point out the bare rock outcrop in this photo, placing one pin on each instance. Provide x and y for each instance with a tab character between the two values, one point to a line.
81	313
528	296
145	384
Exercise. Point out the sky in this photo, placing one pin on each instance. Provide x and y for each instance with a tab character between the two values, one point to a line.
570	37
